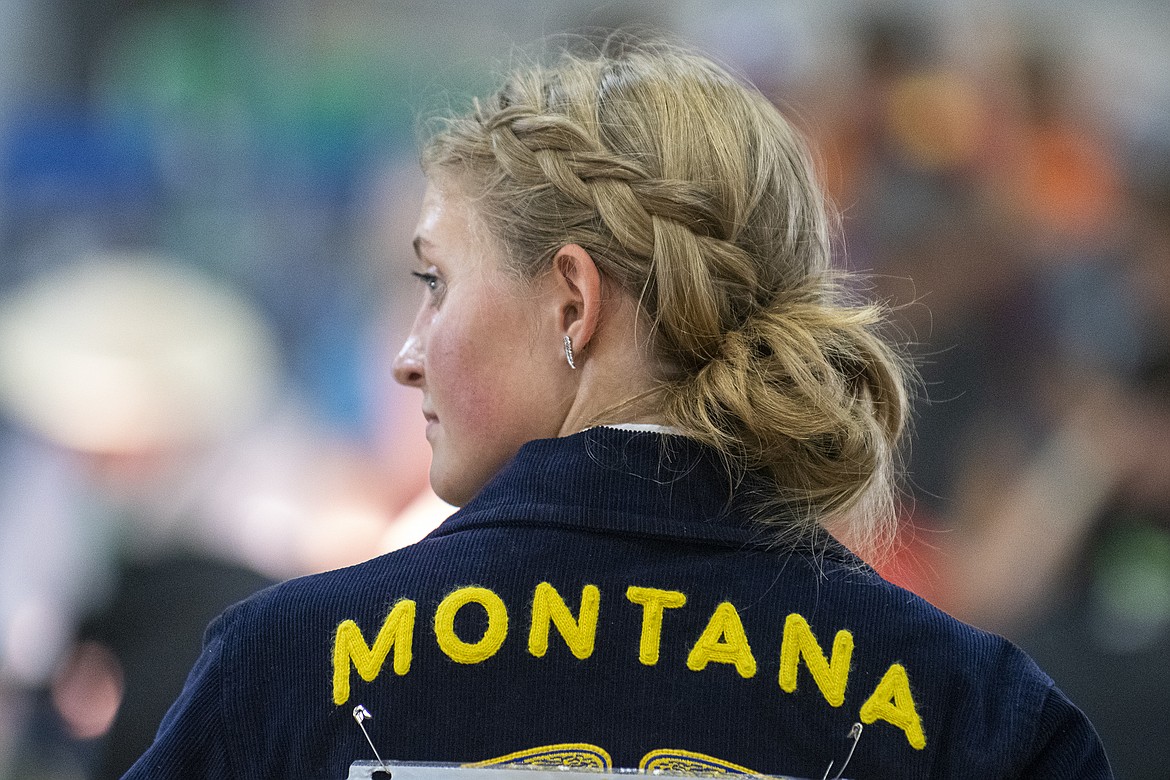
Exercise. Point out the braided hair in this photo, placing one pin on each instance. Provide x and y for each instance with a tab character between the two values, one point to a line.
696	196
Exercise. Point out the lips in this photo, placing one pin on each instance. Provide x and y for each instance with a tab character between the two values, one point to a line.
432	420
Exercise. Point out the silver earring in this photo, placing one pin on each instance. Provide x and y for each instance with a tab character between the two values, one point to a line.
569	352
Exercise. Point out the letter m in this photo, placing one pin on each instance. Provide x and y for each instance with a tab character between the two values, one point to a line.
349	646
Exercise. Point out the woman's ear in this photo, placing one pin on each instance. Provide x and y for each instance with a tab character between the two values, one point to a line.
578	282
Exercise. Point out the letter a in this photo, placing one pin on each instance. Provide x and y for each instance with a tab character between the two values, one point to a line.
349	645
830	675
725	642
891	701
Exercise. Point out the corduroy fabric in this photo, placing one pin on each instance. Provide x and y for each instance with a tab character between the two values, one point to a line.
617	509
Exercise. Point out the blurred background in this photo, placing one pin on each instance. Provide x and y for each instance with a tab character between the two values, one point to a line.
205	215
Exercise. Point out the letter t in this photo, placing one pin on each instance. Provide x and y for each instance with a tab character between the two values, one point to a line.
653	602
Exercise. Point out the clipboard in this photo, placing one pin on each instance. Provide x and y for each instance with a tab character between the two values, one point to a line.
517	770
374	770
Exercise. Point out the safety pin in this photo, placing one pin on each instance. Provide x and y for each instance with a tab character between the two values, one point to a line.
361	714
855	735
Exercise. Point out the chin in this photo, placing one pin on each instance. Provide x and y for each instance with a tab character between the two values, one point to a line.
445	493
459	479
451	491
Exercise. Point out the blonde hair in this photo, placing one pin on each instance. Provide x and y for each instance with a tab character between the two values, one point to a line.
694	194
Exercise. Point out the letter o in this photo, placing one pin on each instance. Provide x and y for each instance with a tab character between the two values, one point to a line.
497	625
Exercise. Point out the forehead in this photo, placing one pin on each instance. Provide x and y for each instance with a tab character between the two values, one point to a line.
444	221
450	233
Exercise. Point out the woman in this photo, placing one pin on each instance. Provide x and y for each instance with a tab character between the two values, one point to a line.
646	390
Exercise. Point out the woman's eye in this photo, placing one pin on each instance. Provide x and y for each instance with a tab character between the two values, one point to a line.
431	281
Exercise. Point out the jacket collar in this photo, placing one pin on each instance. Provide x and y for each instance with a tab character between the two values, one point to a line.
632	483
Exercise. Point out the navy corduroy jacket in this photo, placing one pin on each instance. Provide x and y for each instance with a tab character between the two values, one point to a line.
603	602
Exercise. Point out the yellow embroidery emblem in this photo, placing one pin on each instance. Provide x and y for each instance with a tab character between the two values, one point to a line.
576	755
686	762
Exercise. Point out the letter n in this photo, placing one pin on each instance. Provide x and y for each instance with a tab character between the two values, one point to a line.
830	674
350	646
548	608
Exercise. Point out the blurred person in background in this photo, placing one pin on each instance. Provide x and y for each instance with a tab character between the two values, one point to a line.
1064	545
1034	286
122	373
151	479
176	126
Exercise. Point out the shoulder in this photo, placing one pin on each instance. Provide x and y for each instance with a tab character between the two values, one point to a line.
941	644
368	589
306	597
985	696
273	652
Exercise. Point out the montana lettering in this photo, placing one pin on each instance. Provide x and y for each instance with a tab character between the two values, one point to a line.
553	626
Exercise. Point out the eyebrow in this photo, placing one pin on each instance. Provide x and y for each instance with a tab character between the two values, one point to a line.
418	244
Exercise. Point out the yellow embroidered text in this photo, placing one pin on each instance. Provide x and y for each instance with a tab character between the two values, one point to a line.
653	602
350	646
549	608
723	641
829	674
891	701
493	636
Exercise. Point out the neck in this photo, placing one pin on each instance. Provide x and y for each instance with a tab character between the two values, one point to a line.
612	408
616	381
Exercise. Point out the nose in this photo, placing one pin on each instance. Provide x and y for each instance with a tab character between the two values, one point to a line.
408	364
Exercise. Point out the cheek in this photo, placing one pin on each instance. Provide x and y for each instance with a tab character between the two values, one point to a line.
490	375
483	397
466	374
